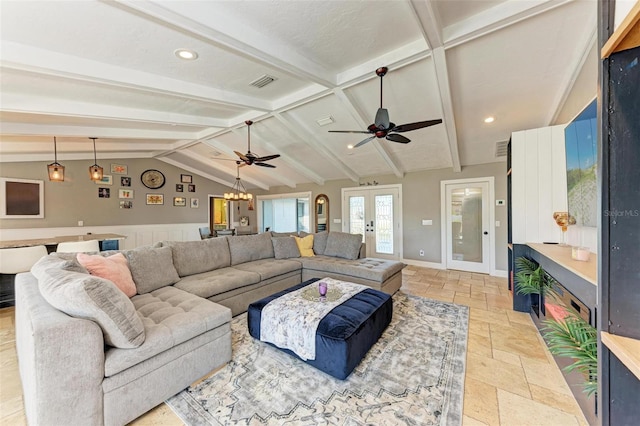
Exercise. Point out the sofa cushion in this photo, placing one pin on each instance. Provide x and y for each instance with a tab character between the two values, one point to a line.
170	317
377	270
305	245
113	268
221	280
342	244
90	297
285	248
250	247
152	268
194	257
269	268
283	234
319	241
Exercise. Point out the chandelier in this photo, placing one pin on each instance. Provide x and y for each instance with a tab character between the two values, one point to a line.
238	191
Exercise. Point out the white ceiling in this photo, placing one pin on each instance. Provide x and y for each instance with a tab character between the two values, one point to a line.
107	69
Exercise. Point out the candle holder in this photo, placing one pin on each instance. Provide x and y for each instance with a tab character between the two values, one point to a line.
322	290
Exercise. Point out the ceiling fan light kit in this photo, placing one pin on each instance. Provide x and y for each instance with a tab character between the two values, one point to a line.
383	127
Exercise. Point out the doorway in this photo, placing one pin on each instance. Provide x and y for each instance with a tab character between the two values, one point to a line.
376	213
467	213
219	210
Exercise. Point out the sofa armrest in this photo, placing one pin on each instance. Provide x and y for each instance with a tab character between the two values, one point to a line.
363	251
61	361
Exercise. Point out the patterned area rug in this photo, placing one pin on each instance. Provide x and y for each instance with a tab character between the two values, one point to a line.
414	375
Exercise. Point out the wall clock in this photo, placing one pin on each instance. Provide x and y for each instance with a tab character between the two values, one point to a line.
152	179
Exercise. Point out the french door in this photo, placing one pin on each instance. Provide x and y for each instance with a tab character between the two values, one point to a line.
376	214
468	235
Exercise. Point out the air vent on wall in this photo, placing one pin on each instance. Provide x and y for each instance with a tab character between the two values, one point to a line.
501	148
260	82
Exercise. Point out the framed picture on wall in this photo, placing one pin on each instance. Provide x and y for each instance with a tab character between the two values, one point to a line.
155	199
21	198
125	181
118	169
195	203
126	204
186	178
179	201
192	188
125	193
179	187
106	180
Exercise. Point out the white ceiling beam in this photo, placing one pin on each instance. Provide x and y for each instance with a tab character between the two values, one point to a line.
9	128
204	20
217	164
73	147
175	147
448	117
361	121
569	80
431	30
196	171
311	139
493	19
46	62
19	158
289	160
34	104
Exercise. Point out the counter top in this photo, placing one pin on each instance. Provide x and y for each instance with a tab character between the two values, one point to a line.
627	350
50	241
562	255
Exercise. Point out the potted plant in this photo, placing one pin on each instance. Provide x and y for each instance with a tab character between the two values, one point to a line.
573	337
531	279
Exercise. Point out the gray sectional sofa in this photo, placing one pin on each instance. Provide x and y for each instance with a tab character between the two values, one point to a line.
89	355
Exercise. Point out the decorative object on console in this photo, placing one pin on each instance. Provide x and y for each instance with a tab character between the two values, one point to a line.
55	169
382	127
531	279
152	179
238	191
563	220
95	171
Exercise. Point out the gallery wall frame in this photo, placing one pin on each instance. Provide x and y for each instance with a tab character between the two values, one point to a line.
21	198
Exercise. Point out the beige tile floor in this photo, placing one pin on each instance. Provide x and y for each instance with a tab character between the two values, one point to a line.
510	379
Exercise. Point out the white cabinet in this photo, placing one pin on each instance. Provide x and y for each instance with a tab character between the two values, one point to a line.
539	184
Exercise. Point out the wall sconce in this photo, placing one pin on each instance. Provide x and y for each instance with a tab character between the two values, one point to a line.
95	171
55	169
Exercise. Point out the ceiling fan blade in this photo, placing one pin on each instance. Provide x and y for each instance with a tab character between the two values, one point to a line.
394	137
265	165
242	156
267	157
382	118
364	141
349	131
414	126
242	164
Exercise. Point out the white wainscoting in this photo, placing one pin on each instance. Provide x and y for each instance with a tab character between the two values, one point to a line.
137	235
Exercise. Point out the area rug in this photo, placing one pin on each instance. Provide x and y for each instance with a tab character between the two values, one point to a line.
414	375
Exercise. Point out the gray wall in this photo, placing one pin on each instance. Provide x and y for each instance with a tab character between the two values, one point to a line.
77	197
421	200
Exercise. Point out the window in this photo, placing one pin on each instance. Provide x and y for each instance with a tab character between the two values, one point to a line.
284	212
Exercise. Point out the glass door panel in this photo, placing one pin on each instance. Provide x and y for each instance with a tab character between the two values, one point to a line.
384	223
357	215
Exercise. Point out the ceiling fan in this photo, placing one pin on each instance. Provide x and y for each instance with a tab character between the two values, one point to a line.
383	128
250	158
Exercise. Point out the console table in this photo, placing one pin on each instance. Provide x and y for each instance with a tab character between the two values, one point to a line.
51	242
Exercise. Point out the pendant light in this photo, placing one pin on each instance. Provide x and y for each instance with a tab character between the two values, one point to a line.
239	192
56	170
95	171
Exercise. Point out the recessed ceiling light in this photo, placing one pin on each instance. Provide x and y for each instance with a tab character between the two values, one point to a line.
186	54
489	119
350	146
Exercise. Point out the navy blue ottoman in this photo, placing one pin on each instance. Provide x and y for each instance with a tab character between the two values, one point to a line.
345	335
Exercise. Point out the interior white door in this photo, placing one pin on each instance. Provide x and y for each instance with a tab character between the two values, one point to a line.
375	213
467	226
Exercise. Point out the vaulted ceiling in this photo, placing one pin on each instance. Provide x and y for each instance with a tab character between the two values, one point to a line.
107	69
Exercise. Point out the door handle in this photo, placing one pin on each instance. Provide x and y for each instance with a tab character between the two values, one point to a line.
485	233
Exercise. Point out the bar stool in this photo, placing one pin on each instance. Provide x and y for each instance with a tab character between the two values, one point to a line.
14	261
78	246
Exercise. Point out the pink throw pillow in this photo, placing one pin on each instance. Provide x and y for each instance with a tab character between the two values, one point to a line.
113	268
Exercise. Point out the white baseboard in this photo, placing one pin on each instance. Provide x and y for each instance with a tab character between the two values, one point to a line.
423	264
500	273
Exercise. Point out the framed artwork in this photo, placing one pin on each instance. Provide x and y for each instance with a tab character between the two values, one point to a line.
179	187
179	201
106	180
118	169
186	178
155	199
21	198
195	203
192	188
125	181
125	193
126	204
104	193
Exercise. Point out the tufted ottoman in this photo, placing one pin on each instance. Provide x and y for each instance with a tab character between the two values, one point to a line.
345	335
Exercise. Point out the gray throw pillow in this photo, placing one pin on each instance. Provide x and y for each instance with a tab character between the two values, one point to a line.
246	248
285	247
319	241
152	268
90	297
341	244
194	257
